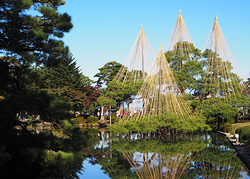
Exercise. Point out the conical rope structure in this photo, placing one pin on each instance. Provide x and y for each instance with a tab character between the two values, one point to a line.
138	61
159	103
129	78
180	35
221	84
183	57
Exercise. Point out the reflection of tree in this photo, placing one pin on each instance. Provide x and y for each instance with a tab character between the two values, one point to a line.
117	166
111	161
45	155
68	164
216	160
156	165
192	158
151	159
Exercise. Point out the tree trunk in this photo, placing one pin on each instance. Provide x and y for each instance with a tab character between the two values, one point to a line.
102	117
110	115
128	104
123	107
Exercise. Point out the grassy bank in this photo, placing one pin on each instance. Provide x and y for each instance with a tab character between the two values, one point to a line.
243	129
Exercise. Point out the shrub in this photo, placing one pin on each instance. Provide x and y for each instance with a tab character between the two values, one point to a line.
244	133
227	128
79	120
93	131
92	119
114	118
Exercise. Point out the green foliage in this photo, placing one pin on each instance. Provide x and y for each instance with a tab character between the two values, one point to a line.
244	133
67	125
219	80
153	122
39	76
247	87
93	131
92	119
217	110
104	101
78	120
114	118
175	149
187	70
125	91
61	77
107	73
118	88
227	128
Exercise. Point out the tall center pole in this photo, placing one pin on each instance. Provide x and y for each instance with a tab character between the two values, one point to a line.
159	110
143	70
142	38
215	65
181	26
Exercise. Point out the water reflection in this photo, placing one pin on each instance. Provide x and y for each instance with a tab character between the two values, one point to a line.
151	156
51	154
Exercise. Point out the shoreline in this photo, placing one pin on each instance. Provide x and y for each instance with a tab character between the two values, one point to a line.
243	151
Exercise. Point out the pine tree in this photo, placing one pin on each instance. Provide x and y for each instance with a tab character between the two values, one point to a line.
65	79
186	68
28	42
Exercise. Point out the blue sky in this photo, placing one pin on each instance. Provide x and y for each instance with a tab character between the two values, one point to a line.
105	31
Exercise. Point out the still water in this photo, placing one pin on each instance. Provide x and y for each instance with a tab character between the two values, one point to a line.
151	156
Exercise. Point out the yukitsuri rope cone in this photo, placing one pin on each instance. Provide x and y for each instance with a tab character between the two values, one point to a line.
222	88
138	61
180	35
159	102
183	57
128	80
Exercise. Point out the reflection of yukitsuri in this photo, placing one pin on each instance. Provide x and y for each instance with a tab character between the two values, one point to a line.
151	166
193	157
159	160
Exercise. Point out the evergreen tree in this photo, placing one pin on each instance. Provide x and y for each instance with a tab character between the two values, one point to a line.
27	41
30	43
219	79
107	73
65	79
186	68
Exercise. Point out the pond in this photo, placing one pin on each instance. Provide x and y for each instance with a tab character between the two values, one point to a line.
98	153
151	156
